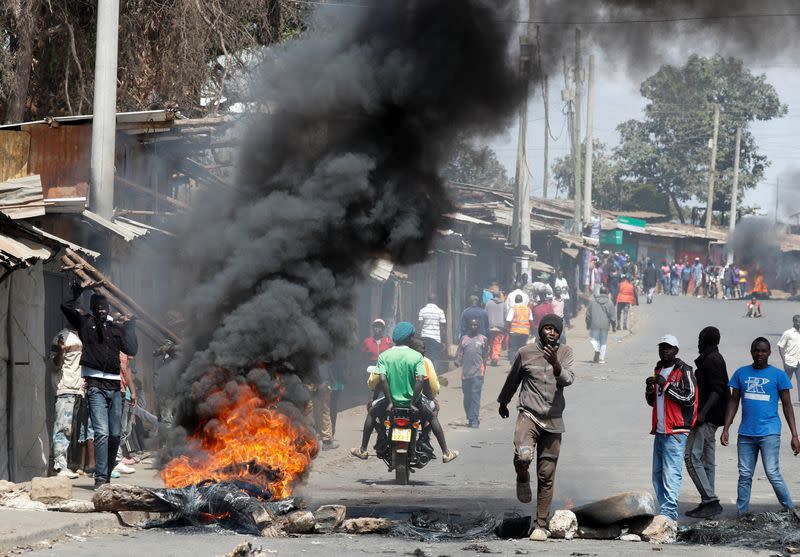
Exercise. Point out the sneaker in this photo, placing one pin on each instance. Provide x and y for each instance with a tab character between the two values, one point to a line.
329	444
539	535
706	510
122	469
99	485
115	474
67	474
601	361
358	453
596	357
128	461
450	456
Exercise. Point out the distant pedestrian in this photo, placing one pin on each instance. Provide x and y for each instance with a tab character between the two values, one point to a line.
759	387
496	313
728	283
542	307
712	387
650	280
789	349
697	276
473	351
561	282
375	344
599	318
540	371
665	280
753	308
672	392
518	322
686	277
625	299
742	283
597	277
474	311
431	320
512	297
65	352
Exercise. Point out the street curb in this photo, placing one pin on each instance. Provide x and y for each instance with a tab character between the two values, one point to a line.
76	527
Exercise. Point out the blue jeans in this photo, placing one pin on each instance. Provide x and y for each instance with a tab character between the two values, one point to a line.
105	408
668	452
433	350
62	429
472	387
748	448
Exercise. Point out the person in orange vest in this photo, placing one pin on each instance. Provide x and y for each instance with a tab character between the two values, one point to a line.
519	326
625	299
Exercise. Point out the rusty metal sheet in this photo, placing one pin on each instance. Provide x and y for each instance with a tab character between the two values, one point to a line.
61	156
14	148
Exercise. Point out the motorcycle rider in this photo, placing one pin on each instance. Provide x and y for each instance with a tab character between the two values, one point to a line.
401	374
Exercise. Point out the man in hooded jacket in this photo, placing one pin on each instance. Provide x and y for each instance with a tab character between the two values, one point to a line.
711	375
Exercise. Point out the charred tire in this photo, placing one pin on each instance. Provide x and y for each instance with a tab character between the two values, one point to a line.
400	462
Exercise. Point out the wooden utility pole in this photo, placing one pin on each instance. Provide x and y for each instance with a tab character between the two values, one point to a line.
713	170
734	193
521	223
587	190
545	98
576	136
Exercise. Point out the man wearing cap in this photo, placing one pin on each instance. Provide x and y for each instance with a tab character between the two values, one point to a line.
542	369
672	392
375	345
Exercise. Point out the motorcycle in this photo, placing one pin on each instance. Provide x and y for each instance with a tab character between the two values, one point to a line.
405	445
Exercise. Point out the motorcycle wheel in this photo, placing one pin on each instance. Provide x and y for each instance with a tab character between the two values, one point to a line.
400	461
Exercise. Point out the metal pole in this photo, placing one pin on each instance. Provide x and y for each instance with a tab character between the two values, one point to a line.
577	226
587	191
734	194
546	169
712	171
104	123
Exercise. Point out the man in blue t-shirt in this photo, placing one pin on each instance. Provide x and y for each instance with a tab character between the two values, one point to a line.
759	386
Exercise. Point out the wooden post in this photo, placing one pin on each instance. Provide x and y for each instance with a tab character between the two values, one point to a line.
587	193
734	194
576	137
713	170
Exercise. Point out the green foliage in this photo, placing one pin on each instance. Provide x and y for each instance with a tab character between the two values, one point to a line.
477	166
669	147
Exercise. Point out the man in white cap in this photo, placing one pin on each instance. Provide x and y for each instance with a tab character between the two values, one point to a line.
672	392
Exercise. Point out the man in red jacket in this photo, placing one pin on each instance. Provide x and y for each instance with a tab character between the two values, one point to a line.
672	392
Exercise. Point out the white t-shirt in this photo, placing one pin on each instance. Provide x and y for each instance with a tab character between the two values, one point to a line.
564	286
510	303
432	317
790	343
68	376
661	423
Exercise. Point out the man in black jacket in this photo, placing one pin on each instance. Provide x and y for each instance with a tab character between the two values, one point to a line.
650	280
103	340
712	388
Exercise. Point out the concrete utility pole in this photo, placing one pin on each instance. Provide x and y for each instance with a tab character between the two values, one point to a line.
545	98
577	225
104	123
587	190
521	223
734	193
713	171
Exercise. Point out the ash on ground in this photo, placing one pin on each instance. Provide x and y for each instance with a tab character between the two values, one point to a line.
434	526
759	531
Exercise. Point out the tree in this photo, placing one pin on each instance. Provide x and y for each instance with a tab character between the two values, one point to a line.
168	51
610	190
669	147
476	166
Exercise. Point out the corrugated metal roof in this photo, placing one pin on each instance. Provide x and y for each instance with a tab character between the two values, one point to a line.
21	198
137	117
75	247
61	156
21	252
127	232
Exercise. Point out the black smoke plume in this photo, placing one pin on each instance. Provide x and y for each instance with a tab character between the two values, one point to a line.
363	112
755	242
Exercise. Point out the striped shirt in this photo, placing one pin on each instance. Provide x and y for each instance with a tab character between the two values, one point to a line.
431	317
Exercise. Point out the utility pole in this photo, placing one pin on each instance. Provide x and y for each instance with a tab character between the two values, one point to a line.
521	224
587	190
104	121
734	194
545	98
577	225
713	171
777	197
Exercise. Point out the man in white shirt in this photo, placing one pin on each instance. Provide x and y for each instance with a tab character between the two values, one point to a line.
65	352
431	318
789	349
513	296
561	282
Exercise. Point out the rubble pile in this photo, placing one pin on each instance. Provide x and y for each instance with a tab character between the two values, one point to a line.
775	531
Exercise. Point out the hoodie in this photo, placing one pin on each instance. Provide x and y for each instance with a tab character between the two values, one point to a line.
601	313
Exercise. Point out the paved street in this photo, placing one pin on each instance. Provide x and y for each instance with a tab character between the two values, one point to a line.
606	450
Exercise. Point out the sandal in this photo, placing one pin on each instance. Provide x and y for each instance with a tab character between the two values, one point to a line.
358	453
450	456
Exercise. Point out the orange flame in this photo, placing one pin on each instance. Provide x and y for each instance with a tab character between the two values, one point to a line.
246	441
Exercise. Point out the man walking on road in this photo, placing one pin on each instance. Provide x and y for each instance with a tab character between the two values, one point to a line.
712	388
599	318
789	349
519	326
672	393
542	369
496	313
650	280
473	351
759	386
431	321
474	311
66	355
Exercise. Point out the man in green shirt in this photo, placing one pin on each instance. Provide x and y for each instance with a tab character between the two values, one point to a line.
401	369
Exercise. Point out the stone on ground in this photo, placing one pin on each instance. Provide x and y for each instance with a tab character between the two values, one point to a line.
630	538
617	509
52	489
72	506
329	517
23	501
299	522
538	535
366	525
600	532
563	525
6	486
658	529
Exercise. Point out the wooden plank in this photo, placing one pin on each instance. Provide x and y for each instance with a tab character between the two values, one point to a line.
14	150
